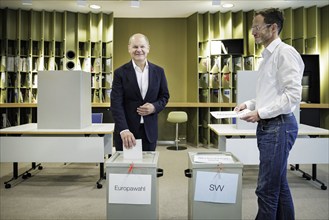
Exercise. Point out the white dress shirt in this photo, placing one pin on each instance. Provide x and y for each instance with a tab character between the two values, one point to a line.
279	88
142	80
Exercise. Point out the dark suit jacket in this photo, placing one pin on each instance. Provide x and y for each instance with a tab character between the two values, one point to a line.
126	97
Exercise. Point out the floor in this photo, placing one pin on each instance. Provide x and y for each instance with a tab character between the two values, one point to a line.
68	191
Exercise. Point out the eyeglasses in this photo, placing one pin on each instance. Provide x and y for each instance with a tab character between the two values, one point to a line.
259	28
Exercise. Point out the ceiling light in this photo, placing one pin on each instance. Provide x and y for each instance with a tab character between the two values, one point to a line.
227	5
26	2
94	6
135	3
216	2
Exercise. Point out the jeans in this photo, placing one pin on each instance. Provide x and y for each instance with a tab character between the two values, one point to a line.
275	138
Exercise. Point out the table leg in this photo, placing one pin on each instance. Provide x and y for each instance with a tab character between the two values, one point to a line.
308	176
101	176
24	175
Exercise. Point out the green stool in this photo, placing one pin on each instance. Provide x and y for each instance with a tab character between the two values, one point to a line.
177	117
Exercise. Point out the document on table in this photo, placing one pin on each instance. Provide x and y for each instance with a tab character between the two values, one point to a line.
229	114
134	153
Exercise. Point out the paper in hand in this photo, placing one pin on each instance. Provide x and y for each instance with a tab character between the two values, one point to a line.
229	114
134	153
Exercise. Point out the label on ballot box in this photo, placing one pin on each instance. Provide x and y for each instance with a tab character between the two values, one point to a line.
216	187
130	189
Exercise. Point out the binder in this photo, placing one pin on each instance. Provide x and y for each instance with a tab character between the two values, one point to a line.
51	63
86	65
97	65
96	98
3	80
10	64
40	64
3	63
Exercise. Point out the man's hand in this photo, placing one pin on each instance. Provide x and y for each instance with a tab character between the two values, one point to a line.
146	109
240	107
128	139
251	116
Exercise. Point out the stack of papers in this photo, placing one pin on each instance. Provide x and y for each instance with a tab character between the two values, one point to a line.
229	114
213	158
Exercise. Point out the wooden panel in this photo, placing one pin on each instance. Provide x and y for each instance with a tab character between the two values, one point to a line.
59	26
237	25
25	25
48	27
299	21
312	22
82	27
287	25
11	24
227	25
36	25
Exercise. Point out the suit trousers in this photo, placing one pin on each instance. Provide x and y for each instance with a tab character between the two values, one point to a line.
147	146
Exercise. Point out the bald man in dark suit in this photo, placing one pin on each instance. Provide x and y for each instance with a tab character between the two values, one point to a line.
139	93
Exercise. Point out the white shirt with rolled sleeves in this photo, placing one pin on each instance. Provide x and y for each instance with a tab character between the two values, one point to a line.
279	88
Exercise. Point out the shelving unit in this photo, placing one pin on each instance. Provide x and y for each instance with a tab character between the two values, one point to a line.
45	40
220	54
233	30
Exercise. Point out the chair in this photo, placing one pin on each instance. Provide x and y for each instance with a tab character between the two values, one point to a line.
177	117
97	117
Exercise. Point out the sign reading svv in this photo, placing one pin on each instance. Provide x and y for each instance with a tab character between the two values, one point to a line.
130	188
216	187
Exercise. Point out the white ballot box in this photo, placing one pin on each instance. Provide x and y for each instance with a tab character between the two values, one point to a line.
64	99
132	187
215	186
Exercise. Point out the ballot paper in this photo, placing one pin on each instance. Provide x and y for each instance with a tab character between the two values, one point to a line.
134	153
229	114
213	158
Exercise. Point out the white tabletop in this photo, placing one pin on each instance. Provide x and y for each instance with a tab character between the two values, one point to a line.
32	128
231	130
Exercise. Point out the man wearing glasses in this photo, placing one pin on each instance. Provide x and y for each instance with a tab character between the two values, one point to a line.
278	93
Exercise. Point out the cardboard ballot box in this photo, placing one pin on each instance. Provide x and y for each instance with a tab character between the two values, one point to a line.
132	187
215	185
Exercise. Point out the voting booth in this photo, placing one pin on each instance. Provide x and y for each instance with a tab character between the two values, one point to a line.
132	187
64	100
214	186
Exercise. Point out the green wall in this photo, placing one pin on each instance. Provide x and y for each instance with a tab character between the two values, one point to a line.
324	64
168	37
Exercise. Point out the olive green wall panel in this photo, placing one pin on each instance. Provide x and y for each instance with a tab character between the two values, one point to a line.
167	37
324	65
36	23
25	28
59	22
192	58
12	24
2	23
83	23
287	24
48	26
299	21
70	31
